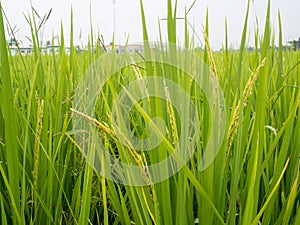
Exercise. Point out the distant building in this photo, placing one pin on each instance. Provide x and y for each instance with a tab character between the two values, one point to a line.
134	48
295	44
128	48
48	49
26	50
13	46
12	42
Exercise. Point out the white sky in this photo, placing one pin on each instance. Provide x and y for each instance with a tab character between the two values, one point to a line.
128	18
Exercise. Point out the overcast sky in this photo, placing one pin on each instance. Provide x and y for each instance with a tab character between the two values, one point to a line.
128	18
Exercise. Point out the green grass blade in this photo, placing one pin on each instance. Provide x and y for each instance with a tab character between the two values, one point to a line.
261	211
10	123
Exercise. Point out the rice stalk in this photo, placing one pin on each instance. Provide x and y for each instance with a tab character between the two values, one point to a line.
247	93
36	151
171	116
211	60
104	128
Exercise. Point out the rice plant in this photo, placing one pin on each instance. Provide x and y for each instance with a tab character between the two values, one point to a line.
47	177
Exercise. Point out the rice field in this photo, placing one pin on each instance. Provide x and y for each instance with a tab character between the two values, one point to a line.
51	172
